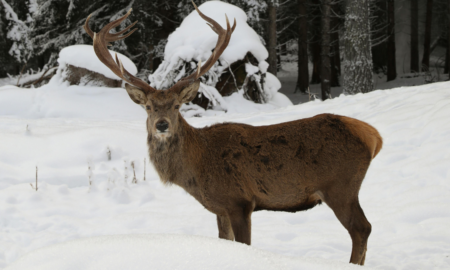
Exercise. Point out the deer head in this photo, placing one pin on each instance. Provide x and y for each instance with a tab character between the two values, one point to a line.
162	106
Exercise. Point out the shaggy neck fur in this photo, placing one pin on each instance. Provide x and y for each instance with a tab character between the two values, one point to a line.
167	155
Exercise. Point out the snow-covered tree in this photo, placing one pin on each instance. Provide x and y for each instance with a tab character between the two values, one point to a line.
15	18
358	76
58	24
147	43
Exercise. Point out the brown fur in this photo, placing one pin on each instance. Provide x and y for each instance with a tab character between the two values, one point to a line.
368	134
235	169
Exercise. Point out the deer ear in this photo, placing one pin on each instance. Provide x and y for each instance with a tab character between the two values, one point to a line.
136	94
189	92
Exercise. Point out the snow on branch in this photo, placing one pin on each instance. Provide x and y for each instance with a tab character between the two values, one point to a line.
17	32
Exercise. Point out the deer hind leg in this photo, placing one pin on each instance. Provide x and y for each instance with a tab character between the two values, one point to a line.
225	229
352	217
241	223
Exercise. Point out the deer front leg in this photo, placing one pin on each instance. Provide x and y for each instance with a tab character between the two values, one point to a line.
225	229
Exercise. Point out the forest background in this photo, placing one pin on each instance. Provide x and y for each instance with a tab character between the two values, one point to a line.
402	34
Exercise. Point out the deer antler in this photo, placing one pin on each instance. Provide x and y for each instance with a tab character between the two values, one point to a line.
101	42
221	45
102	39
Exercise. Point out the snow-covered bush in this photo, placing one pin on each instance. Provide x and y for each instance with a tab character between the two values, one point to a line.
241	69
80	65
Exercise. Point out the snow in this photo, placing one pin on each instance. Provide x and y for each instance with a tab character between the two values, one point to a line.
263	66
9	12
251	69
115	224
194	39
157	251
272	85
83	56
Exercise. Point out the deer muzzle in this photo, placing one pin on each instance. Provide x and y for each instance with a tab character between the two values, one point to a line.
162	126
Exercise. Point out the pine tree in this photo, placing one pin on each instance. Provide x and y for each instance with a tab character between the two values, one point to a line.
357	54
58	24
15	47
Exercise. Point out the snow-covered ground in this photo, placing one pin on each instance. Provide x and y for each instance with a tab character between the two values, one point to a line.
116	224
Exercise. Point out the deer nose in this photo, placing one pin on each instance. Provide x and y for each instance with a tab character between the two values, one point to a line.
162	125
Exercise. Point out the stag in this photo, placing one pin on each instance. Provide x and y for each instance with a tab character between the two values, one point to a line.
235	169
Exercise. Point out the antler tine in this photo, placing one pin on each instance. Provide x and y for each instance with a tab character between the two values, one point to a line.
87	28
117	22
117	37
101	41
126	29
221	45
131	79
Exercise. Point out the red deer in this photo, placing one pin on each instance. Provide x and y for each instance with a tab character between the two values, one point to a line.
235	169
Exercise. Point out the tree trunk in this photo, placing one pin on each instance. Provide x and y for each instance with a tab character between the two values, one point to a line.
426	49
273	37
414	36
335	56
325	68
379	34
316	43
447	62
337	52
151	66
335	60
303	73
391	64
358	76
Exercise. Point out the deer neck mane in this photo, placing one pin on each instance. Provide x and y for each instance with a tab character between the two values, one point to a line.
169	155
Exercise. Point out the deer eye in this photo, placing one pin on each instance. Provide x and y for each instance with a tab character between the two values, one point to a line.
177	107
148	107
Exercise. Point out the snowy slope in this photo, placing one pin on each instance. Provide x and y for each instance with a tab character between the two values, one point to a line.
158	252
63	130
